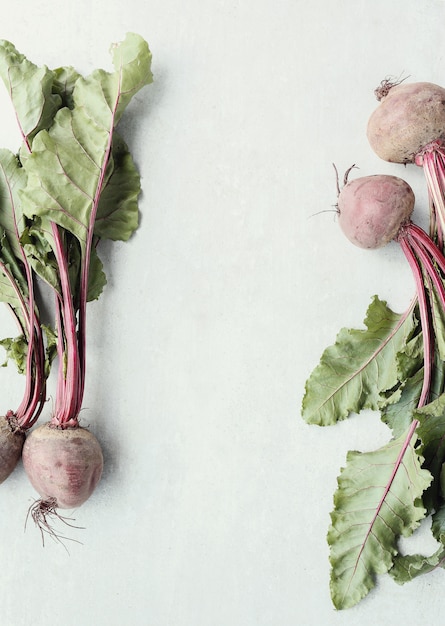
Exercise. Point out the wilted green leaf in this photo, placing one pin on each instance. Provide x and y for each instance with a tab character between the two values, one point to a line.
17	351
51	347
37	241
409	566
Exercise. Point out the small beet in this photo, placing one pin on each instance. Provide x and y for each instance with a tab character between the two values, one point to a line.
372	209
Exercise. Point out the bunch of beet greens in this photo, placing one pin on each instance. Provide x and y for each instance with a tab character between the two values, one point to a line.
396	365
72	183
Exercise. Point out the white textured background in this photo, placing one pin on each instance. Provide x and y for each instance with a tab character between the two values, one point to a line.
215	500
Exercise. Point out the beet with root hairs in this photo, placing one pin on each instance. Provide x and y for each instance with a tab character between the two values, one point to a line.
373	208
409	117
63	465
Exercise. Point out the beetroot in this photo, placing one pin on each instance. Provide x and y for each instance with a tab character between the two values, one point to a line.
11	443
64	465
410	116
372	209
409	127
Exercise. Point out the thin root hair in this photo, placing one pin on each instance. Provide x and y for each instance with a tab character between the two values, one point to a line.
345	176
43	512
333	210
387	84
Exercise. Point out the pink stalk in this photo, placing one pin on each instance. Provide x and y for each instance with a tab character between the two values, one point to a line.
429	245
87	258
60	350
34	398
424	319
71	384
35	387
426	262
432	159
67	405
431	271
66	412
35	391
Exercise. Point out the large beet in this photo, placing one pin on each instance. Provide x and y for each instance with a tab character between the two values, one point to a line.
409	117
64	465
372	209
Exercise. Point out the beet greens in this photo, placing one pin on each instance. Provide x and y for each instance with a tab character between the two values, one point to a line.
82	186
395	366
72	183
17	278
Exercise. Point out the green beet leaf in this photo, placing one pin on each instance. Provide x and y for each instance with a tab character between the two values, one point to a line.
438	320
398	409
12	181
37	241
359	368
13	286
72	162
65	79
13	281
378	500
15	273
16	350
431	430
31	91
409	566
117	214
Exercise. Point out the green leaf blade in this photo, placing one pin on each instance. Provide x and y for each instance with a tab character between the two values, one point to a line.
410	566
30	89
62	177
398	409
362	364
65	79
12	180
69	168
378	499
17	351
117	215
431	431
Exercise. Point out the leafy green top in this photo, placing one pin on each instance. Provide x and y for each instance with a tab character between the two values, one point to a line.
73	183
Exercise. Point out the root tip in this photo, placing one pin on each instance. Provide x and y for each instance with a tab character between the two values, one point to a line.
43	512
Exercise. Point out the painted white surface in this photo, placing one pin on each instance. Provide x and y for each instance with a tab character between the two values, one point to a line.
215	501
